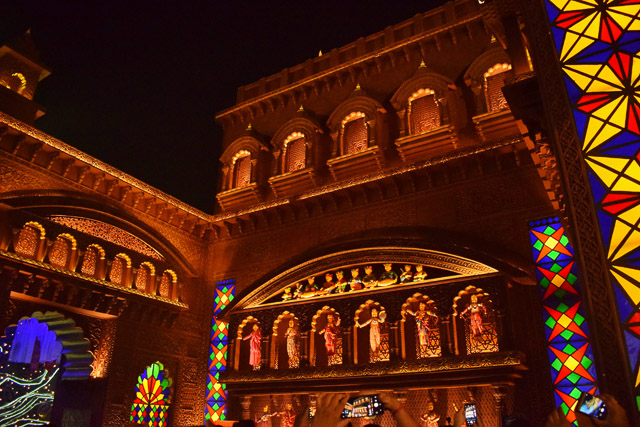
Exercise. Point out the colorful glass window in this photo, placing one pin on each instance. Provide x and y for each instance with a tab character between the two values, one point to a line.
570	355
153	396
597	47
216	400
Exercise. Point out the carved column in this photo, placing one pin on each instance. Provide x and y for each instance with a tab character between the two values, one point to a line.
499	394
245	402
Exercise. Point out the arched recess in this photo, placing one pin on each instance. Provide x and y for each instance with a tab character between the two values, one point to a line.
285	342
311	130
258	156
120	271
145	278
63	252
168	283
30	241
474	77
243	345
154	391
371	338
420	328
445	95
326	338
94	262
477	328
373	115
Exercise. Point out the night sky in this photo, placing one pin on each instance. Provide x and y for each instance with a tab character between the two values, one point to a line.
137	83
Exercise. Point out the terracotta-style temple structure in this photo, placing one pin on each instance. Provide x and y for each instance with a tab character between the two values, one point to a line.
448	209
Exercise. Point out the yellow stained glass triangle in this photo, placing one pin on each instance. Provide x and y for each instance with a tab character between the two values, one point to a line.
560	4
626	184
572	45
631	288
580	5
607	168
582	74
609	111
597	133
631	216
619	232
617	14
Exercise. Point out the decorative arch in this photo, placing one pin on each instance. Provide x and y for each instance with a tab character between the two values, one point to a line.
478	325
310	131
30	240
62	251
248	147
120	269
93	261
168	284
285	342
153	396
475	78
420	331
318	355
242	345
145	277
357	103
363	337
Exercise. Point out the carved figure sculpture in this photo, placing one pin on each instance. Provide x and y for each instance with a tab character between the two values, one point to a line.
287	295
474	313
369	280
430	417
310	289
420	274
374	323
356	282
265	419
297	294
407	274
331	331
288	416
328	286
422	322
254	346
341	283
292	345
389	277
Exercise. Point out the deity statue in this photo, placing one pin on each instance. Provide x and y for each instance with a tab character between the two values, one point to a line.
356	282
341	283
265	419
407	274
420	274
369	280
292	345
374	323
288	416
310	288
331	331
422	322
287	295
254	345
328	286
297	294
474	311
430	417
389	277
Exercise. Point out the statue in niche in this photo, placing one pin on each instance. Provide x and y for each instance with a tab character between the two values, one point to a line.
297	294
310	289
330	332
288	416
430	417
255	338
389	277
356	282
328	286
422	322
265	419
341	283
292	345
287	295
420	274
407	274
369	280
474	312
374	323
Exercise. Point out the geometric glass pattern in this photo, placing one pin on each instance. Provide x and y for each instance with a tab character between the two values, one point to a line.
598	44
569	350
153	396
216	394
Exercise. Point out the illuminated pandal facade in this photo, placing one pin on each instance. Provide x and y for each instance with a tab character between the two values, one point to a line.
408	212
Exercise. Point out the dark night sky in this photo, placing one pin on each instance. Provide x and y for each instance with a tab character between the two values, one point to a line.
137	83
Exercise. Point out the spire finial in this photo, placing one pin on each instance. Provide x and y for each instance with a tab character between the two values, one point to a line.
422	64
301	108
320	52
358	87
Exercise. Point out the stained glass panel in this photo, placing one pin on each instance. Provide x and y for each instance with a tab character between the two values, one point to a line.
597	44
153	396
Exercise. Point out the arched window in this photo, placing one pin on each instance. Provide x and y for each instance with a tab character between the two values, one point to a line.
60	251
424	111
493	82
121	263
241	169
168	281
153	396
92	256
29	239
355	133
295	146
146	273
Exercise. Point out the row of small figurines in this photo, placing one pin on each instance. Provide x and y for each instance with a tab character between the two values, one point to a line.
341	285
